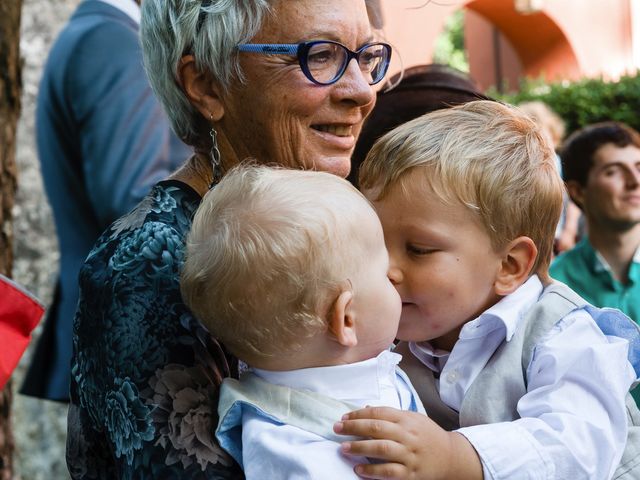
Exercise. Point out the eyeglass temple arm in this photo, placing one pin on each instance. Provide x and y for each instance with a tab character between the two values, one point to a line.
270	48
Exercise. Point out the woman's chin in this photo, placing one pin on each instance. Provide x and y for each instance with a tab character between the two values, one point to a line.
339	165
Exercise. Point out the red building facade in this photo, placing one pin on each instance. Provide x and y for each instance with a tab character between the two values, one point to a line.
508	39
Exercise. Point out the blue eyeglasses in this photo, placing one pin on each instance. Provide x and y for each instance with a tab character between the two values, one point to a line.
324	62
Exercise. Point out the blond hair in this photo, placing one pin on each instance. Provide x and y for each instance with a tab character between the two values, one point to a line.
488	156
267	255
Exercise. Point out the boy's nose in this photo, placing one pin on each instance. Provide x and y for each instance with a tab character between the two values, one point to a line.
394	274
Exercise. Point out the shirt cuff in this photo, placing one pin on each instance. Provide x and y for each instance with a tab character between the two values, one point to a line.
508	451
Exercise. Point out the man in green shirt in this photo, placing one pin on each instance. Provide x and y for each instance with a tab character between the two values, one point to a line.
601	165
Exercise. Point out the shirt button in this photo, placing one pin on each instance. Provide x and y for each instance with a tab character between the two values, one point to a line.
452	377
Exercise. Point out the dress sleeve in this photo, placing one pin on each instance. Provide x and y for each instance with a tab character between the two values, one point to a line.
145	373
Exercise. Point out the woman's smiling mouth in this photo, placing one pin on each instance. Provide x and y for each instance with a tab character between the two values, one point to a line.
338	130
338	137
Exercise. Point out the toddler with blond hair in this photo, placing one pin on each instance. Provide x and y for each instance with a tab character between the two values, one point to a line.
288	269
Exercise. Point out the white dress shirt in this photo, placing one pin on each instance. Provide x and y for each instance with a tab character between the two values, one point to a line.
275	451
573	411
130	7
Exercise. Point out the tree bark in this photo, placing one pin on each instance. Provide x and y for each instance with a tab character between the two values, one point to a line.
10	90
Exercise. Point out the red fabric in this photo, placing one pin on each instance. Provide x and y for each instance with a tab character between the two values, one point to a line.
19	314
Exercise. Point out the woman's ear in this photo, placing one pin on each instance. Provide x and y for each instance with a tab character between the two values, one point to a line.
517	262
341	320
200	89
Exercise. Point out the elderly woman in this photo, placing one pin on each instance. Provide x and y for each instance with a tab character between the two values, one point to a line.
275	80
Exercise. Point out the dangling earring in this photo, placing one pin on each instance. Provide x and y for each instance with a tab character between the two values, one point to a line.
215	155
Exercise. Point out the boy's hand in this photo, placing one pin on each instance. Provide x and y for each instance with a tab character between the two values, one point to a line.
412	444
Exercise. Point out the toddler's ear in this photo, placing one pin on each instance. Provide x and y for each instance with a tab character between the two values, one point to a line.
518	260
341	320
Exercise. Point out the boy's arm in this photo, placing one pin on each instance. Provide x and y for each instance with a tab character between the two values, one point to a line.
573	417
412	444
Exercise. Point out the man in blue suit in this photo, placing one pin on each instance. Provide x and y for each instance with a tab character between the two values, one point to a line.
103	142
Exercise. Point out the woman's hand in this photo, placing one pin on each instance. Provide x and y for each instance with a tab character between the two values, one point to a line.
411	444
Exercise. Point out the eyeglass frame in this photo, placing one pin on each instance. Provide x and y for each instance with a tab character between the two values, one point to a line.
300	50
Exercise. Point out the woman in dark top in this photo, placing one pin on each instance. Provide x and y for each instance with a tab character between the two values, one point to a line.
275	80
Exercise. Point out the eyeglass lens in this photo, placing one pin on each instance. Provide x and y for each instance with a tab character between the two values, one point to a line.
328	61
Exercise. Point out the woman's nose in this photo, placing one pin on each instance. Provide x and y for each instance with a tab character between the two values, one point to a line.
353	86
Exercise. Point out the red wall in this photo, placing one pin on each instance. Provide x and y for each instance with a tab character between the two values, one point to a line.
567	39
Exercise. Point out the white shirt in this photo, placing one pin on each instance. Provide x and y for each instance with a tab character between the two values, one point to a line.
130	7
573	410
276	451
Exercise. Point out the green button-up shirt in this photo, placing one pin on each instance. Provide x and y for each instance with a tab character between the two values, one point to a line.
586	271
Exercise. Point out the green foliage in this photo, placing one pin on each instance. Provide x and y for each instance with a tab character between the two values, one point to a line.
449	47
586	101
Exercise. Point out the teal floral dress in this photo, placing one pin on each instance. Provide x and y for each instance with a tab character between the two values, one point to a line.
145	373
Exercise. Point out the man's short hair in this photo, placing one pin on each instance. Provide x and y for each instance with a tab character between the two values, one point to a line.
490	157
269	251
579	149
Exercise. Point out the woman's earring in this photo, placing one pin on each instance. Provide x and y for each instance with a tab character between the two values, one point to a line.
215	156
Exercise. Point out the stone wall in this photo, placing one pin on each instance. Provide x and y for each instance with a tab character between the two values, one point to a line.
39	425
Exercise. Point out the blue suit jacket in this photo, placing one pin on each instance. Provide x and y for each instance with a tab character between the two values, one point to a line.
103	142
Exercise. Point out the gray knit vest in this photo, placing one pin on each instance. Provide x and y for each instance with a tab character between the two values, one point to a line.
494	394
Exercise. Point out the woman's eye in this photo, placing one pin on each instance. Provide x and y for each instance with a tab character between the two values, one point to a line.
369	59
321	56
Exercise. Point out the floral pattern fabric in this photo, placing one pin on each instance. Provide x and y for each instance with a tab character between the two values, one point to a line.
145	372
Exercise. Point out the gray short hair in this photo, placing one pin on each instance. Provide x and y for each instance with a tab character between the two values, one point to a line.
210	30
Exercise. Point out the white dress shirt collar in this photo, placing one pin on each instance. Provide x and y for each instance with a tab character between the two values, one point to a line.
129	7
503	316
342	382
509	310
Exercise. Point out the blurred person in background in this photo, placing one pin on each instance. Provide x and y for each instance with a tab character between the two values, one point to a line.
601	164
418	90
279	81
103	141
568	229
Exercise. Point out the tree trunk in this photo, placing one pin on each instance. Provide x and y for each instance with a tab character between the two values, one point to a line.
10	90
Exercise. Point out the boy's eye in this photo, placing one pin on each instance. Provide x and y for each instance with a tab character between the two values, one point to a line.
416	250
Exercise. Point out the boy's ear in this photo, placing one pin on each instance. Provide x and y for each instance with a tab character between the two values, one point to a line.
200	89
341	320
576	192
518	260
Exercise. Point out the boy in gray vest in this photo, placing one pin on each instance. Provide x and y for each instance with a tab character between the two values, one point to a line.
289	270
520	376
